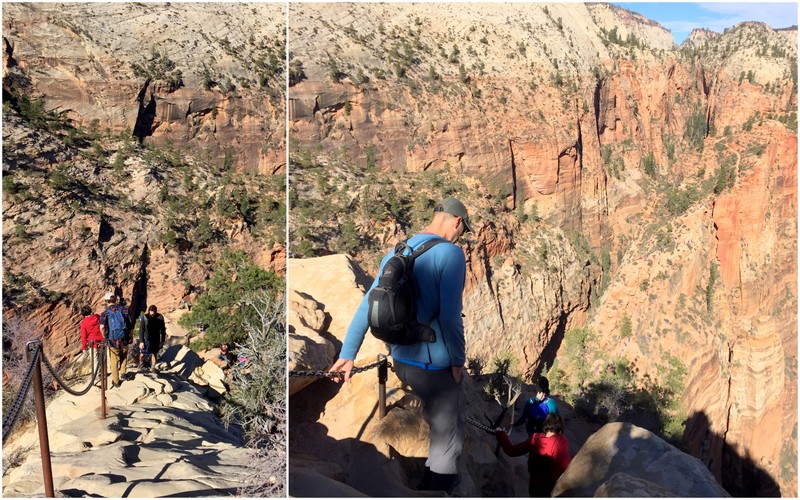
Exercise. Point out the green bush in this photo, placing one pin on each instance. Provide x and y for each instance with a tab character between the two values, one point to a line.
679	200
696	128
725	178
221	311
576	346
713	274
650	166
59	180
257	399
625	329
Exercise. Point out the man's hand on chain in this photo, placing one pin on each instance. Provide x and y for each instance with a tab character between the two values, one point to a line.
342	365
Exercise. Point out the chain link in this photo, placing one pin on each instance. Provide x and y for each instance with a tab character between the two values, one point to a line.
324	374
479	425
63	384
11	417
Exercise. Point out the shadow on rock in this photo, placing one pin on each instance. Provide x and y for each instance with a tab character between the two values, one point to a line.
178	354
739	475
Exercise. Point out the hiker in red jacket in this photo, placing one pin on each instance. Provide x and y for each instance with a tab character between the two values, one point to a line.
548	454
90	328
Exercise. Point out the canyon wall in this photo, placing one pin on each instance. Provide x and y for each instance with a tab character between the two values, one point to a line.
663	180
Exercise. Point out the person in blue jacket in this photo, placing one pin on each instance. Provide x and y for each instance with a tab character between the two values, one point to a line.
432	370
537	408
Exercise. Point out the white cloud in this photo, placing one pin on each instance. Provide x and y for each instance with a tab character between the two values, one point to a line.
777	15
727	15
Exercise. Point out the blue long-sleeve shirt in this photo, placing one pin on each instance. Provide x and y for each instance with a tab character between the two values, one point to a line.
440	273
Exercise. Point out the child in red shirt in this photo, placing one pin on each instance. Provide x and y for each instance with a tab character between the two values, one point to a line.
90	328
548	454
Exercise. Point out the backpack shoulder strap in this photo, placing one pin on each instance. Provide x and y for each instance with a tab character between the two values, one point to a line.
426	245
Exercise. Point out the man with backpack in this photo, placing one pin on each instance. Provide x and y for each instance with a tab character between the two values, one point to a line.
152	334
116	324
429	354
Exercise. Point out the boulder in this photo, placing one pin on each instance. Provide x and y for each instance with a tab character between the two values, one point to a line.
310	483
621	447
308	352
210	375
623	485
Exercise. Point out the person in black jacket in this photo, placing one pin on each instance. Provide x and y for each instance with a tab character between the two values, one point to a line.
152	334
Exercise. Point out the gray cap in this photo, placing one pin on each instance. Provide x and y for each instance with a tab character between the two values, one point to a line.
454	207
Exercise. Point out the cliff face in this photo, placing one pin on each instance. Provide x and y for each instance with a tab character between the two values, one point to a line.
662	180
121	171
200	76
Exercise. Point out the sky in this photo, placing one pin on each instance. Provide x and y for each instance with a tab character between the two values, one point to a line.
682	17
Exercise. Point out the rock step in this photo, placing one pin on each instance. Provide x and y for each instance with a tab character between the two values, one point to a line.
160	431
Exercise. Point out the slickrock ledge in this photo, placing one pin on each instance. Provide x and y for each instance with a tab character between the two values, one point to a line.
161	437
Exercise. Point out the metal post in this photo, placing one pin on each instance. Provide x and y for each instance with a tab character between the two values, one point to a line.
103	378
41	418
383	375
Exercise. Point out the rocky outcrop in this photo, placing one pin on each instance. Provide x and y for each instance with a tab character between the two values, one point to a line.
161	437
621	460
168	73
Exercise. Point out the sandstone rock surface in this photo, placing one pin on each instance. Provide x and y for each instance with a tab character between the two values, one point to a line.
644	458
161	437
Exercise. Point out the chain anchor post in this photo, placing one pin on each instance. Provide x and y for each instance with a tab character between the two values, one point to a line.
383	376
34	348
103	380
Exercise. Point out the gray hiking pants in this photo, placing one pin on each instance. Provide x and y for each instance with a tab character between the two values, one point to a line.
443	406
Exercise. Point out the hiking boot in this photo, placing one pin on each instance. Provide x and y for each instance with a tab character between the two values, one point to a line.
153	369
116	384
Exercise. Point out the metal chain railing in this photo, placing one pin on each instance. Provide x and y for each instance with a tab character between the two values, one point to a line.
383	365
63	384
323	374
479	425
33	378
11	415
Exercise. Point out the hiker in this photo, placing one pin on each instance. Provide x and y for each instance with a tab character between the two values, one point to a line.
548	454
433	370
152	334
537	408
115	323
90	328
223	355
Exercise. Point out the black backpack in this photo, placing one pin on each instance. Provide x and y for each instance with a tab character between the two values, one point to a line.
392	315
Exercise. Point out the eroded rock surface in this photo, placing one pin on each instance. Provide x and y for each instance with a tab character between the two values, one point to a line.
161	437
